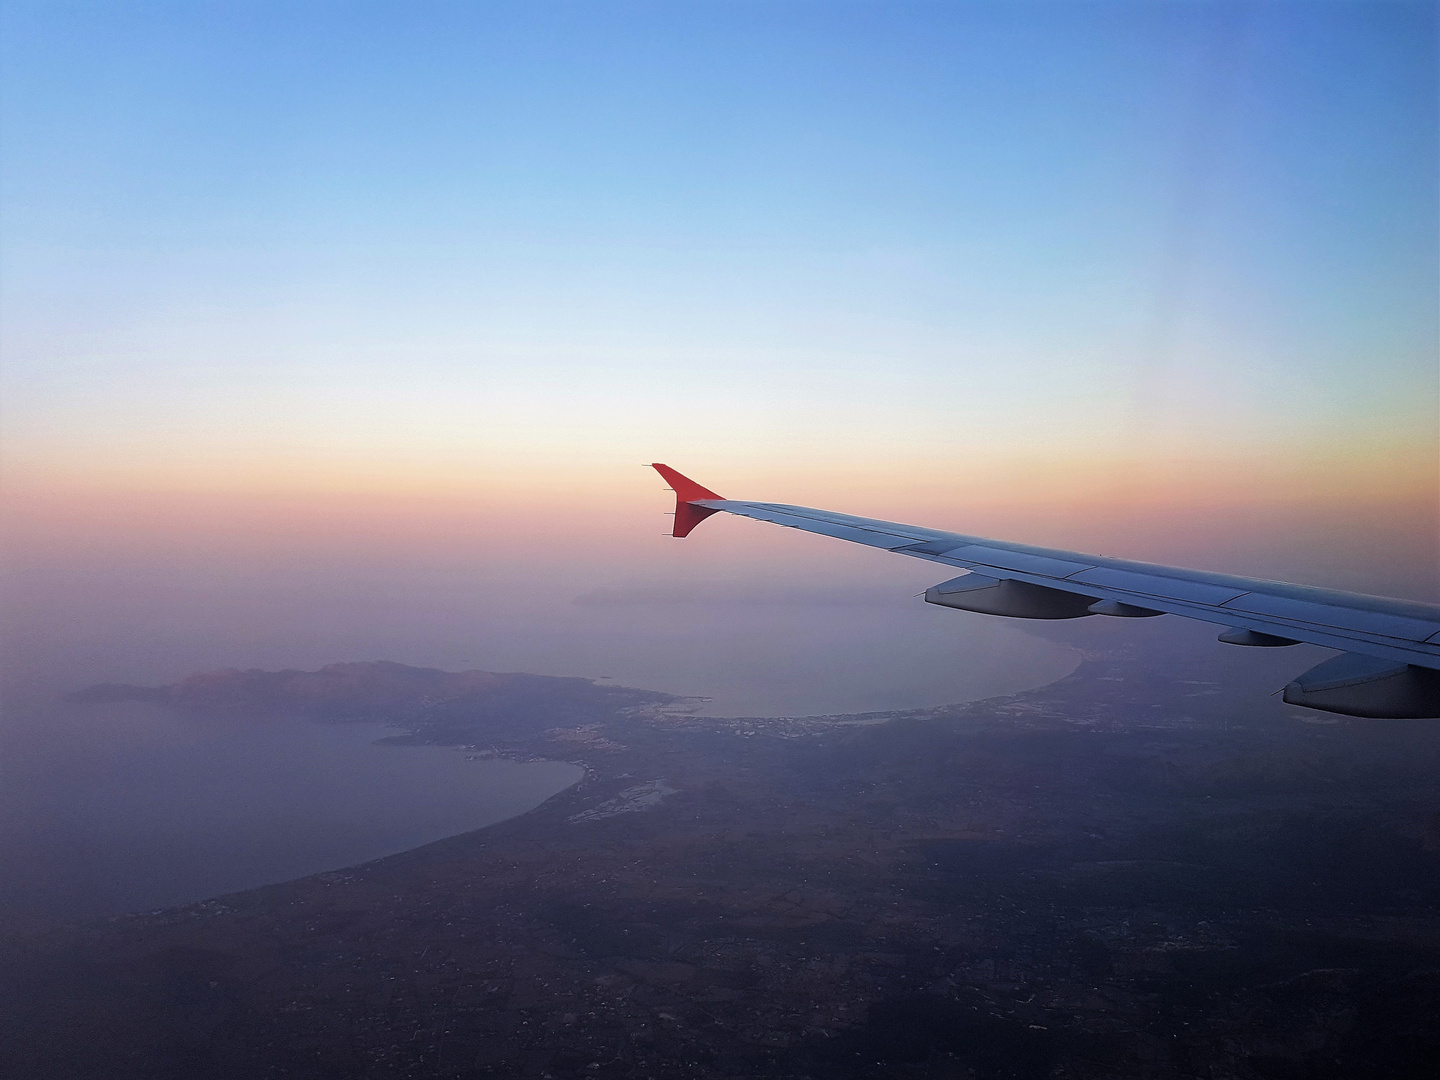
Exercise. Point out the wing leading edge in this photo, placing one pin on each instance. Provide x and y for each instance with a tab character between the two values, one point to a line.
1389	662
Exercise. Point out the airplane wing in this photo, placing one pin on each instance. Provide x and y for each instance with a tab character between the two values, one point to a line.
1389	662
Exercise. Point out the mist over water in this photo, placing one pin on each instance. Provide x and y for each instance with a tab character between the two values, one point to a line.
822	629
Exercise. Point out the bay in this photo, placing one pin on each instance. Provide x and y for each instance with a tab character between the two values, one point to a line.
119	808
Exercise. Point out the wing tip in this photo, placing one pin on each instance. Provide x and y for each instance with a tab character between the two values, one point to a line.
687	514
686	490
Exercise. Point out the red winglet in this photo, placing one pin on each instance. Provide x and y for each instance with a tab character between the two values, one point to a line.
687	514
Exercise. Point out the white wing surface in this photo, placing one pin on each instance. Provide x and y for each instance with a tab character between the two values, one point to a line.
1390	649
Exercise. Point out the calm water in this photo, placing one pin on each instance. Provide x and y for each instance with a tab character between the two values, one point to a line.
124	808
798	661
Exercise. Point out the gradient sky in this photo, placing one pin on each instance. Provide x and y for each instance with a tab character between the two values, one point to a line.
410	285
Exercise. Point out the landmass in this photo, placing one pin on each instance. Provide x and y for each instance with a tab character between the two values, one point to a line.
1122	874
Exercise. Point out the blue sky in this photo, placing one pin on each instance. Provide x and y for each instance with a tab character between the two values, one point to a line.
414	240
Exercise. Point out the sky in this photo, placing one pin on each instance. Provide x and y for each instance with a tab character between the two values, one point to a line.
325	325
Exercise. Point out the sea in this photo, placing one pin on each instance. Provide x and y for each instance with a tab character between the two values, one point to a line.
120	808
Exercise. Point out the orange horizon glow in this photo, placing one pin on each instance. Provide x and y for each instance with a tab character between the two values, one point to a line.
599	513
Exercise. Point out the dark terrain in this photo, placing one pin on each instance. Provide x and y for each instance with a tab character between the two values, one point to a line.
1118	875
